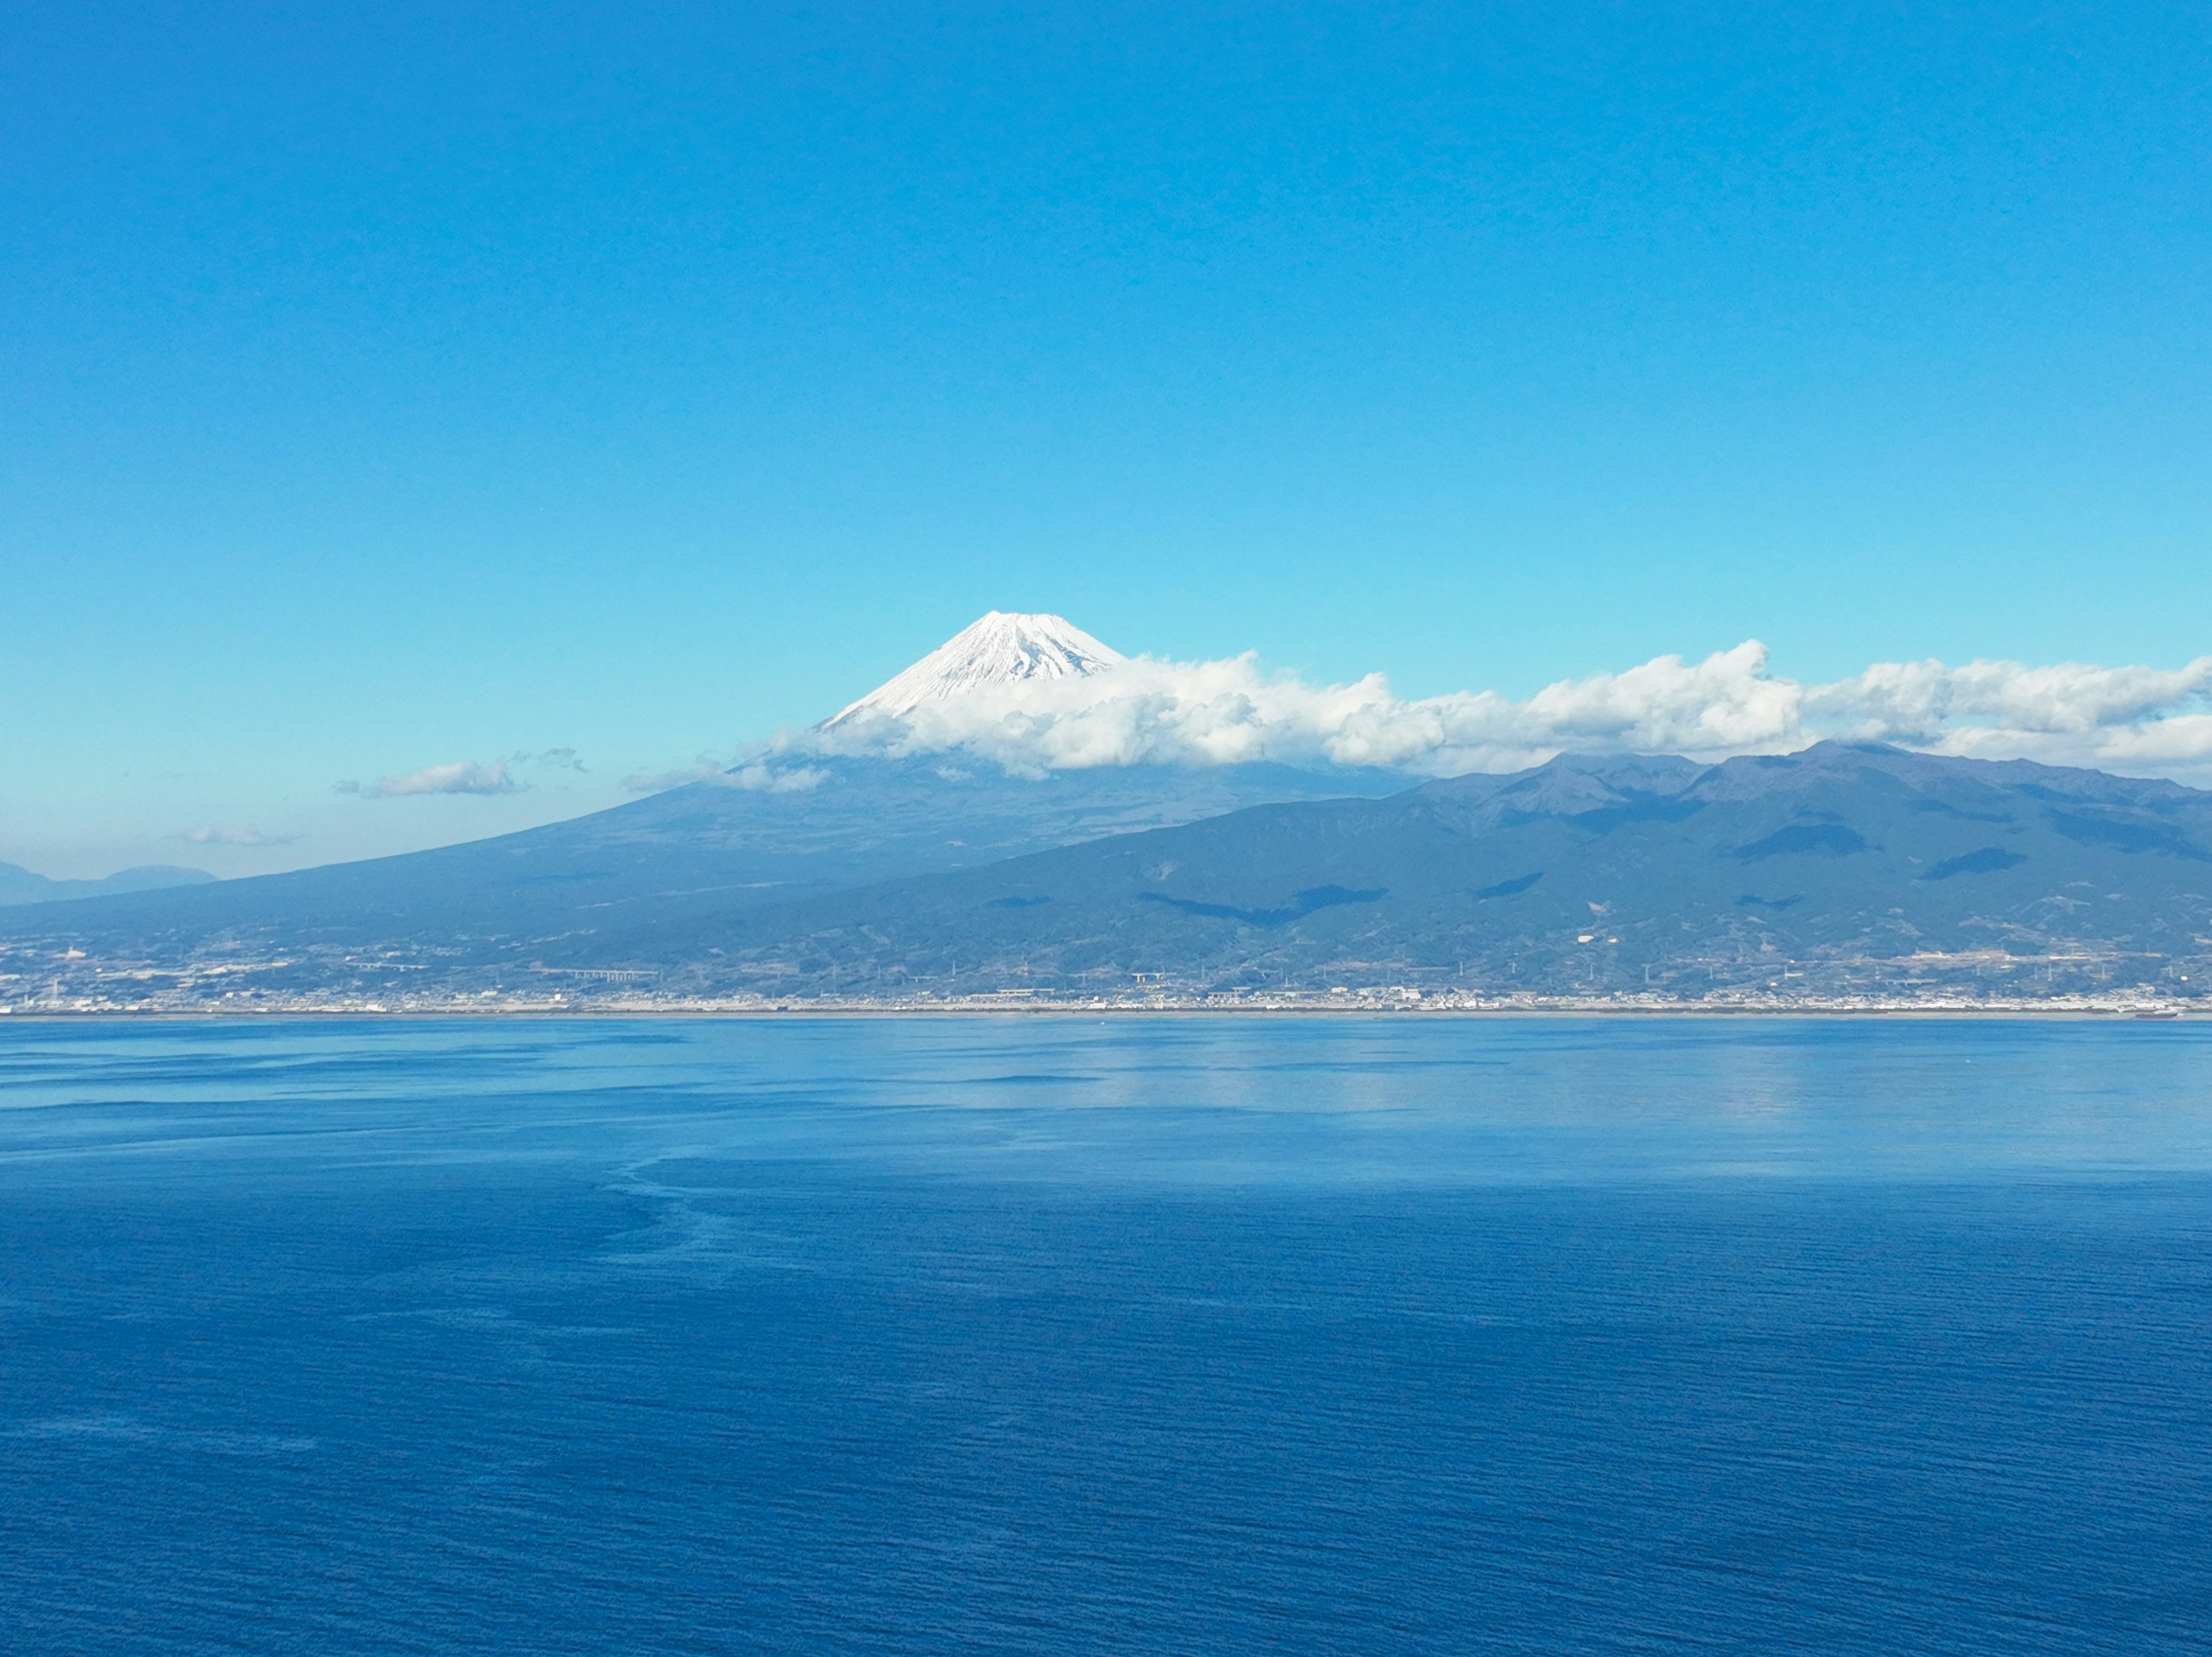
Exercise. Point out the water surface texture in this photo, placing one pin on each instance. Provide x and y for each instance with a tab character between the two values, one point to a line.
1173	1336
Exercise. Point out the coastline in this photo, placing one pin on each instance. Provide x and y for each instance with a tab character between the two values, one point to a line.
2116	1010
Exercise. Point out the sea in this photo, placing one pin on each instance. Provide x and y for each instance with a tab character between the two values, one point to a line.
1152	1335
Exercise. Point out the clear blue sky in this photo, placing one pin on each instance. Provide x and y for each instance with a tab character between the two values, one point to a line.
384	386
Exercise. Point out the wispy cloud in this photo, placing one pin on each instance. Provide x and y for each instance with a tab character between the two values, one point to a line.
2141	719
234	837
757	776
460	777
561	759
465	776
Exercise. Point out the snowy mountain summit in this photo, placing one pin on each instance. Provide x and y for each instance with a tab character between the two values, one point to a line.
1000	649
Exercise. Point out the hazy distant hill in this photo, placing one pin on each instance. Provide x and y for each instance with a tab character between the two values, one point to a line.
19	885
1842	866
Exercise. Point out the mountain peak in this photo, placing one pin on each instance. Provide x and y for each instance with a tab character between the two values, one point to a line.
999	649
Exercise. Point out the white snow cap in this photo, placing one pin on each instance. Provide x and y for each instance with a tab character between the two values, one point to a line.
1000	649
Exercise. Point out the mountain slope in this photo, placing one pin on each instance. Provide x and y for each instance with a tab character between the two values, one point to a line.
1846	867
707	850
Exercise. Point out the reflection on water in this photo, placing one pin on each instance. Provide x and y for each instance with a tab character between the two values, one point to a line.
1197	1100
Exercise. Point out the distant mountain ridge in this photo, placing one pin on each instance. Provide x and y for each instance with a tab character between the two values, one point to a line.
1845	868
1850	870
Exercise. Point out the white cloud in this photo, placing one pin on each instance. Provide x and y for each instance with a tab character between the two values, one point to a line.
2141	720
461	777
234	837
1921	703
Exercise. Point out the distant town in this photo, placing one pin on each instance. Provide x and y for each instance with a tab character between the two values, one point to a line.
76	987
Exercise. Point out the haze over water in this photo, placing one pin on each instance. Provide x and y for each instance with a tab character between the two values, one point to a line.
1161	1336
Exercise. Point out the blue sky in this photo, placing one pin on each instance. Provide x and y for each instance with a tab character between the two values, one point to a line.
383	388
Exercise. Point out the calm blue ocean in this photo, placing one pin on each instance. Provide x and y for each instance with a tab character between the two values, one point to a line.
1173	1336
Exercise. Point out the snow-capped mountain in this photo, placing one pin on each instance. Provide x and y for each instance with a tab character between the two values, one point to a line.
999	649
